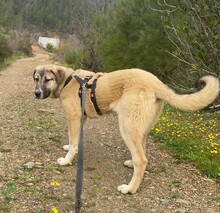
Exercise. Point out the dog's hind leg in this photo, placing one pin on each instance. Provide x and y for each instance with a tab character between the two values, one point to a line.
152	117
135	123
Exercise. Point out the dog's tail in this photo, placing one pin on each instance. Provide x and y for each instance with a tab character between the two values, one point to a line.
194	101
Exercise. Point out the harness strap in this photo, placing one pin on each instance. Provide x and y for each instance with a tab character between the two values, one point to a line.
67	80
93	97
92	92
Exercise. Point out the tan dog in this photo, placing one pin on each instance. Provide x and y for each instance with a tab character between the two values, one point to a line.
136	95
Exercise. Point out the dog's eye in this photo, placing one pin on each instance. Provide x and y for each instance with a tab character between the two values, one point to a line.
48	79
36	79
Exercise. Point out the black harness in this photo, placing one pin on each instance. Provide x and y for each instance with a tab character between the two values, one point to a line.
88	86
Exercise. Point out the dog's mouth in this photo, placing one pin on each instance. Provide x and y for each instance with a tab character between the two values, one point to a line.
40	94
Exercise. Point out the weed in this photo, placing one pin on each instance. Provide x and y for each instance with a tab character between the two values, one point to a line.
55	139
6	193
90	169
192	137
5	150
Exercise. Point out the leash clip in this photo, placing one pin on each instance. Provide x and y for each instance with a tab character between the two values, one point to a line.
84	86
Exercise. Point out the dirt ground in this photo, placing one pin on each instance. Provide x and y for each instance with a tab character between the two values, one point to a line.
35	131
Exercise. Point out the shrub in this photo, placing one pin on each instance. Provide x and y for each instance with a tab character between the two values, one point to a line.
50	47
74	58
5	50
25	47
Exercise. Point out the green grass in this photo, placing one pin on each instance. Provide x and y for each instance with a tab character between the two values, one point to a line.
192	137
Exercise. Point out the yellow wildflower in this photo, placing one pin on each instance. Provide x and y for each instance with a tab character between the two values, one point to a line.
214	152
54	210
55	183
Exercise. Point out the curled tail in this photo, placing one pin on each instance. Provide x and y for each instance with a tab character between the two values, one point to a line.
194	101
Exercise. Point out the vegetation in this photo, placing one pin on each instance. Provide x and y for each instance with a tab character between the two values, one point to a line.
69	16
132	35
12	46
192	137
178	41
50	47
76	56
5	50
193	29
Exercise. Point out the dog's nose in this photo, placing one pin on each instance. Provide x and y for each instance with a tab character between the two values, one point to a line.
37	94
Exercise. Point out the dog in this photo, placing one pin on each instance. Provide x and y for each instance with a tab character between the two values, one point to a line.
136	95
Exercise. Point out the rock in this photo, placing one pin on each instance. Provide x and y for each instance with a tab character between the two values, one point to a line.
29	184
182	201
210	210
38	165
29	165
174	189
180	210
165	201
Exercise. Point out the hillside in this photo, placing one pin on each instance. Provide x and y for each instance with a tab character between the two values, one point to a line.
62	16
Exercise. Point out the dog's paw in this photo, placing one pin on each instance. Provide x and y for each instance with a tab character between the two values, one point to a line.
124	189
66	147
129	163
63	162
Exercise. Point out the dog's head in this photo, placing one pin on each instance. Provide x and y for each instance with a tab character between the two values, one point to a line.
48	79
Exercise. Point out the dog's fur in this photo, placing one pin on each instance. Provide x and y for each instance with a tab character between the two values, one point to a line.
136	95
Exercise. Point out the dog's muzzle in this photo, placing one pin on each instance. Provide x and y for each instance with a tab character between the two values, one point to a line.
38	93
42	93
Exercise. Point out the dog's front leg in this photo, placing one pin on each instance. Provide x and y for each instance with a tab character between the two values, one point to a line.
74	131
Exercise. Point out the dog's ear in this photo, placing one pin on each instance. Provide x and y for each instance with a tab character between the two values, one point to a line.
60	74
34	73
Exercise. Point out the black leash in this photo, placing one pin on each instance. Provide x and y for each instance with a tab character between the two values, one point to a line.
82	95
79	173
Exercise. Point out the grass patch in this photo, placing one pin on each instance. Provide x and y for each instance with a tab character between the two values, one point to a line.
55	139
5	150
9	189
192	137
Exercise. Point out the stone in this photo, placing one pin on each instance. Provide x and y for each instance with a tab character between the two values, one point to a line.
182	201
165	201
29	165
180	210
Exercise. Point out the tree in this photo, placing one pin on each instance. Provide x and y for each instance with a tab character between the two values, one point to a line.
130	36
193	26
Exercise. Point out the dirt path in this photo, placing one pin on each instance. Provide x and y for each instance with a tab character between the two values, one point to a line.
34	131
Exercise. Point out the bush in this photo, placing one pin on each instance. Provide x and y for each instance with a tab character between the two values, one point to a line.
74	58
25	47
50	47
5	50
